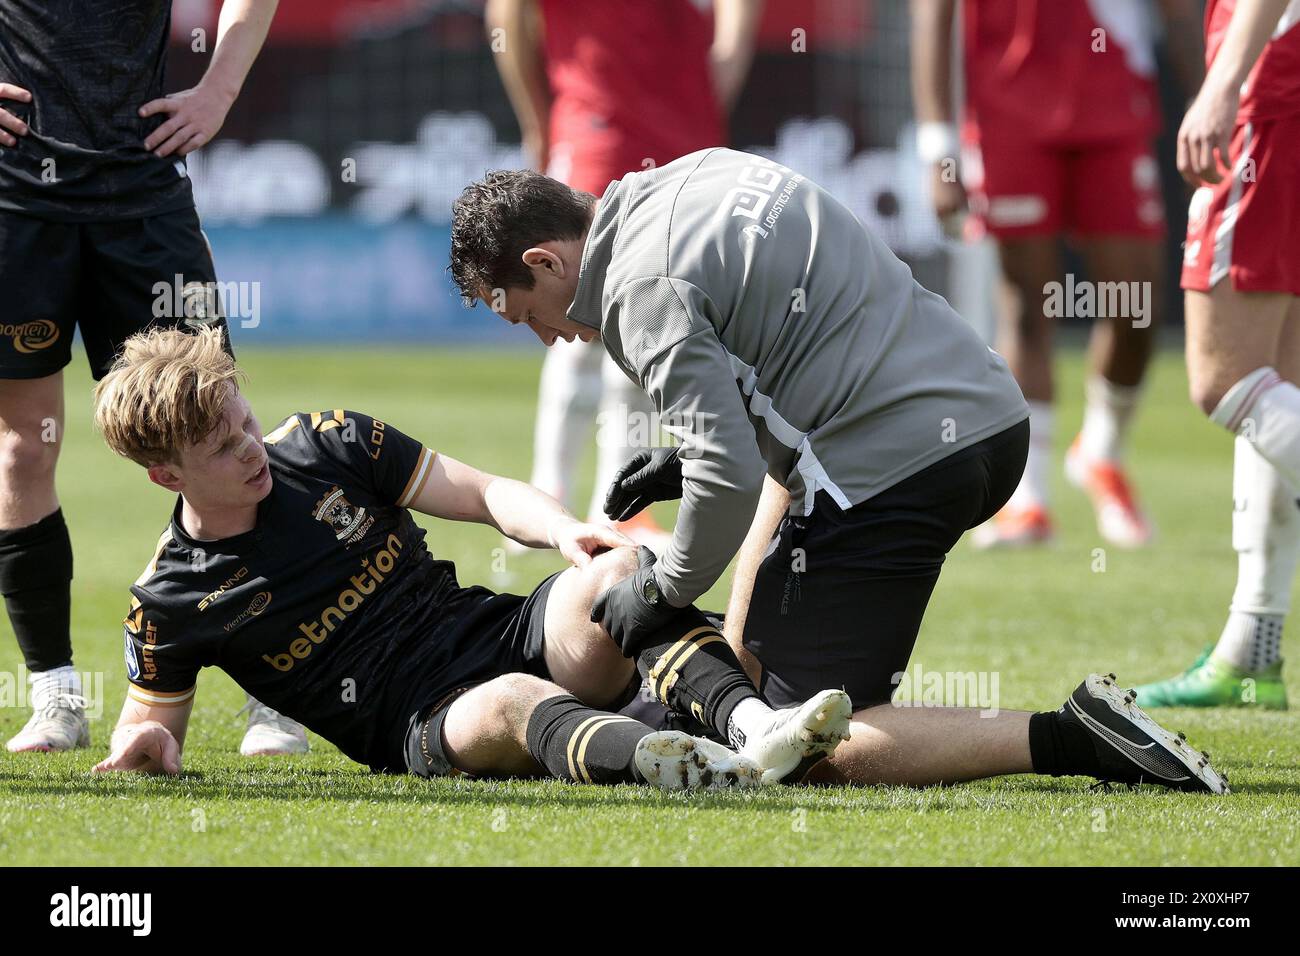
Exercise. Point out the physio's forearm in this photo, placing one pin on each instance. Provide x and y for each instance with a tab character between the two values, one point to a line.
241	31
524	513
711	524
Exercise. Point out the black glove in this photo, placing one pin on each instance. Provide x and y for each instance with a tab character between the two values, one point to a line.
633	609
651	475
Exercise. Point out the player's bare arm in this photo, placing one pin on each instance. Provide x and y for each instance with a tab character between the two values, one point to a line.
11	125
148	738
932	59
196	115
1206	131
459	492
515	33
735	22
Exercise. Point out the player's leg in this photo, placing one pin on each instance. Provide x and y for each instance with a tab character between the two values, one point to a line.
1119	353
1116	213
1098	732
566	402
1017	193
624	425
690	669
1229	334
159	270
40	273
1255	249
1025	334
520	725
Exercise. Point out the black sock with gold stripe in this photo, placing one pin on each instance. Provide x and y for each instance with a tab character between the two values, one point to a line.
576	743
691	669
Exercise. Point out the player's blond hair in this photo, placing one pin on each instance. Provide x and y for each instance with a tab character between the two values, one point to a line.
167	390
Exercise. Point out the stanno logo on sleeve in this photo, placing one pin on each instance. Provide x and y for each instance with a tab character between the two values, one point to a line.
346	520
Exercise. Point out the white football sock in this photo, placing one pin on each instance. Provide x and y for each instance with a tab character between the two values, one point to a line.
60	680
1108	411
1266	537
1265	410
566	404
1032	490
625	424
751	717
1250	642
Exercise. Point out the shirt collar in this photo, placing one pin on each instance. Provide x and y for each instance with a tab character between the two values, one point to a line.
587	308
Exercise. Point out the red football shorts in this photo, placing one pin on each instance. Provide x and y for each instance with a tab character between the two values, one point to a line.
1019	188
1248	225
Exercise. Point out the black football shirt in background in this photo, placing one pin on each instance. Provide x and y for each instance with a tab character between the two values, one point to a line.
89	65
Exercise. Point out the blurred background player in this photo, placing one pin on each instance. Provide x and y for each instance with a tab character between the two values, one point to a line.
1060	111
1240	143
602	88
95	208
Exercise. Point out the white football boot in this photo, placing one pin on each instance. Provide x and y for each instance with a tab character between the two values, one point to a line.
798	737
270	733
673	760
58	720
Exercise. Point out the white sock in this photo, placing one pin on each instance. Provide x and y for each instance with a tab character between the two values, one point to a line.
566	404
624	425
750	718
1032	490
1266	537
60	680
1265	410
1251	642
1107	413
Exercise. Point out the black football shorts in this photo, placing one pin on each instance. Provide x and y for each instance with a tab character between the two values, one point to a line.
838	600
110	279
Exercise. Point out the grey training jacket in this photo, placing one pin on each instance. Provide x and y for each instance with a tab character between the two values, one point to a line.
776	334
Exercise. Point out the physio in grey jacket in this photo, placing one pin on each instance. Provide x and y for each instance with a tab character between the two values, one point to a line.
774	333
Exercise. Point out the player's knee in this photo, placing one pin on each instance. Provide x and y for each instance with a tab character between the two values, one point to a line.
28	454
1205	392
613	566
513	698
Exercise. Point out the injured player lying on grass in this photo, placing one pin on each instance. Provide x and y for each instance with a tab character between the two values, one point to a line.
292	562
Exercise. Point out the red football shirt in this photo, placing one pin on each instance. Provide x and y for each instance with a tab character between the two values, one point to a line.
1273	86
630	85
1060	71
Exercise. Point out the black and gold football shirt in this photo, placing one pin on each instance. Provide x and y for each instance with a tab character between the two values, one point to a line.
329	610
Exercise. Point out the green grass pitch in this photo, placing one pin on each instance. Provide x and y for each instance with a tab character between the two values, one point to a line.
1039	621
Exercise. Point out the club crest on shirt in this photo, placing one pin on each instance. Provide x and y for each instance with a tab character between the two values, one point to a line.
346	520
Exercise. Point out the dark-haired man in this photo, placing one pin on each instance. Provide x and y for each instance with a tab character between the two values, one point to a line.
776	335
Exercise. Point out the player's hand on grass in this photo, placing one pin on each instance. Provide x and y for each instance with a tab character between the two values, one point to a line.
11	126
579	541
1205	135
149	747
194	117
633	609
652	474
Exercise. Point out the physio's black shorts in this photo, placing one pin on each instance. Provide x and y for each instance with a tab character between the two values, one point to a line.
838	600
515	645
110	278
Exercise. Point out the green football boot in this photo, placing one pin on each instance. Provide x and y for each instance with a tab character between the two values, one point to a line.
1210	682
